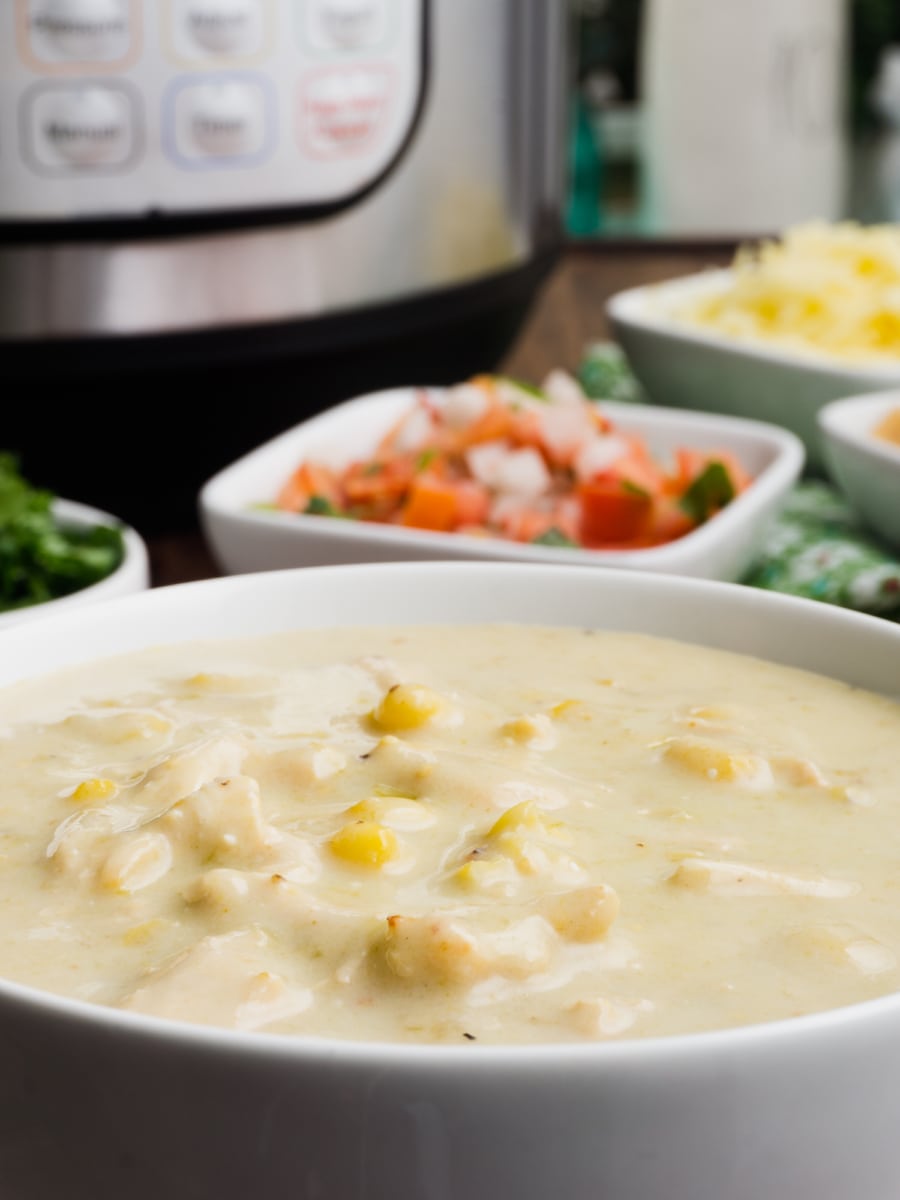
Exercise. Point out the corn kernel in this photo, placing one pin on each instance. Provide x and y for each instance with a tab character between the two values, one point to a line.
468	875
485	874
524	815
406	706
535	731
366	843
528	858
712	762
94	789
366	810
387	791
520	729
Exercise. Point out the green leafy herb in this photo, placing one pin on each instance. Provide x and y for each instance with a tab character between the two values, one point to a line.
528	388
373	468
320	507
554	537
425	459
41	558
710	491
634	489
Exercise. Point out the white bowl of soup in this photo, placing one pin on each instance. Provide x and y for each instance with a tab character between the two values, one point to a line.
452	880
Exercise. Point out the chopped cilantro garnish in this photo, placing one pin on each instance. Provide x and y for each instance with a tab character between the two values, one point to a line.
425	459
634	489
528	388
320	507
710	491
40	557
554	537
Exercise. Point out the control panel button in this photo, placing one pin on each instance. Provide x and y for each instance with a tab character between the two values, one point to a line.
223	27
224	119
80	30
344	110
346	24
81	127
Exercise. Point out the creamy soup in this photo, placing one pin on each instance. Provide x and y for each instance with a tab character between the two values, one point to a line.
492	834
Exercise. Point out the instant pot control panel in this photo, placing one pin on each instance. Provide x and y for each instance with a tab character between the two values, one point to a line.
116	109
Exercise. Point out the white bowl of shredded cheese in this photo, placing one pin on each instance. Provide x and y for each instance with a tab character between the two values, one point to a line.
784	331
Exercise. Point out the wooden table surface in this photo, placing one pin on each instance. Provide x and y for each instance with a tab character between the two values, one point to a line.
568	314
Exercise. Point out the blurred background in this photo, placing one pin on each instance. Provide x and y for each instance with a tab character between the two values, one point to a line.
228	222
702	119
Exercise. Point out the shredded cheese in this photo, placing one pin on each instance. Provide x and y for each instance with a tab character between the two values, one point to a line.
830	289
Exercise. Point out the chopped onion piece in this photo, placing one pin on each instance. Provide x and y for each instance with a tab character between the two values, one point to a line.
463	405
565	430
598	456
415	432
523	473
562	388
484	461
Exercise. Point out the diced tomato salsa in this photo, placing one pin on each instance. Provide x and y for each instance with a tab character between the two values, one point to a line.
495	458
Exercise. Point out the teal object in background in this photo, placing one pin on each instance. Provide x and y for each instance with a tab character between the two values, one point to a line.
583	214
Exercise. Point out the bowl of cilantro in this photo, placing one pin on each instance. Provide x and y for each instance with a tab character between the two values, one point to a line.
55	553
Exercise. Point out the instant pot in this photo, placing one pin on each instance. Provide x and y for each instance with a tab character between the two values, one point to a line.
219	216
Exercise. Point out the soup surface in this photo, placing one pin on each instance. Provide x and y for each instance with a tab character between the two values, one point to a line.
491	833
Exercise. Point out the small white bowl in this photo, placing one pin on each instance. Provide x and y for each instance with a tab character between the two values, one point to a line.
245	538
866	468
98	1102
689	366
131	575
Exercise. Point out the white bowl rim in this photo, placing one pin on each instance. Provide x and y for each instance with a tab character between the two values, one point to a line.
135	561
767	1035
849	420
787	450
631	307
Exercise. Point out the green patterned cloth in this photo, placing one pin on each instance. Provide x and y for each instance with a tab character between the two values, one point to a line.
817	547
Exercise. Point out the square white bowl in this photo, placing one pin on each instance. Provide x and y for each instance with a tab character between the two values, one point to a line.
690	366
245	538
865	468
